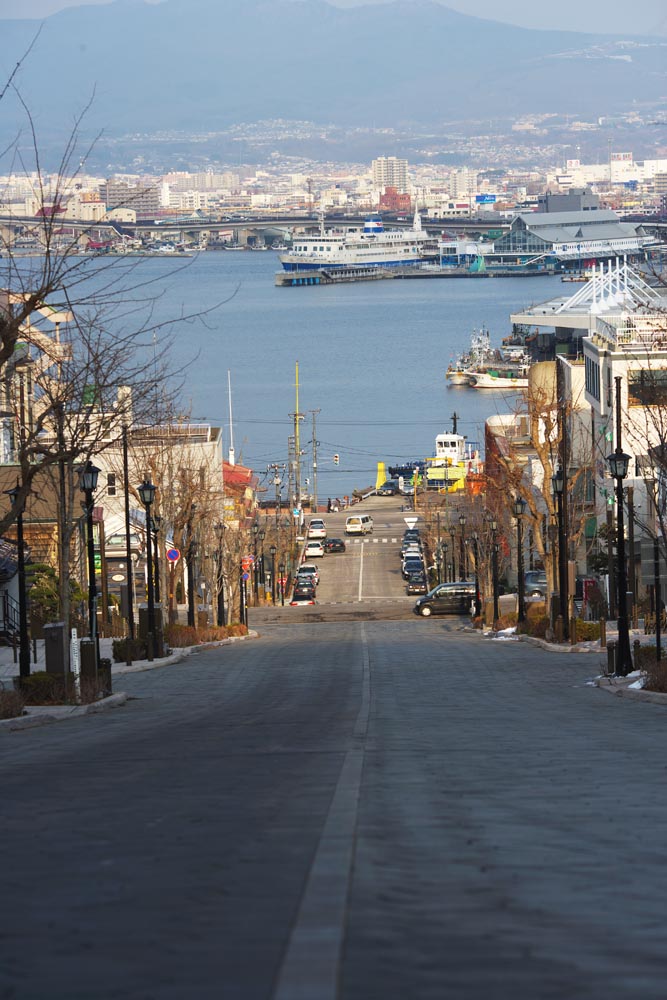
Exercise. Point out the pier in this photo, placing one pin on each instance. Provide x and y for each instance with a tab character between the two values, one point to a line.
339	276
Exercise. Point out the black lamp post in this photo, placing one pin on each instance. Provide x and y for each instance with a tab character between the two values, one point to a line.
463	570
255	568
618	465
273	549
261	536
147	494
519	511
88	485
281	570
494	569
445	548
24	638
559	485
475	552
451	535
219	529
156	523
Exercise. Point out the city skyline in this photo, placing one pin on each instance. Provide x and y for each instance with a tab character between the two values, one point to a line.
610	17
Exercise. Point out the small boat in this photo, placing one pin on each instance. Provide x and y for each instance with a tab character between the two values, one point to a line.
501	377
479	354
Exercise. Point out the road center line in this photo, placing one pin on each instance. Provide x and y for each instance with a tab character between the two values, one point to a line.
361	569
310	970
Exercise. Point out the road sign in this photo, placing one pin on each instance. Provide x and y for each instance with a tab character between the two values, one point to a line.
245	576
247	561
173	555
410	521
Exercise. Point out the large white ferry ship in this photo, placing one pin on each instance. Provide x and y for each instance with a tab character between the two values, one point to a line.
367	248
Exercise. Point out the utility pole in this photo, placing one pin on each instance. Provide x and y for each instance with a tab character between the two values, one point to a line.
455	418
298	417
315	444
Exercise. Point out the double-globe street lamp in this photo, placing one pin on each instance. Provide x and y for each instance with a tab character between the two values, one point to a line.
618	464
559	485
475	551
463	570
519	511
24	638
281	570
494	568
147	495
273	549
88	485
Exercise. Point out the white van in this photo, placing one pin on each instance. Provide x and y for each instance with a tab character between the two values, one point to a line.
359	524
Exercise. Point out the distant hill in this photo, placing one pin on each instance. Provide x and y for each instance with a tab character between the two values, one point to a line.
205	64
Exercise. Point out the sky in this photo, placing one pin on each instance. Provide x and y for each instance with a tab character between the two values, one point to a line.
646	17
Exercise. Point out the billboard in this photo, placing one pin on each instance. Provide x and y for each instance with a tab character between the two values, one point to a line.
485	199
621	157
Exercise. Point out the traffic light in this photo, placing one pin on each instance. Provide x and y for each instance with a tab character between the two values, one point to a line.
336	459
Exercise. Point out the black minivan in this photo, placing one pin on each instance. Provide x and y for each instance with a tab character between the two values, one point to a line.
447	599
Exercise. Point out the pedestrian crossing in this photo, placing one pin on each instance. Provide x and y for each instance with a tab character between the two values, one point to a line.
372	541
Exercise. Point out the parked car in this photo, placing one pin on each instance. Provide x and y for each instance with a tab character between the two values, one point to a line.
308	571
303	595
535	583
447	599
411	566
334	545
416	584
317	528
314	550
388	489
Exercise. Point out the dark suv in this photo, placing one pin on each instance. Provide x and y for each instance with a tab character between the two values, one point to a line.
447	599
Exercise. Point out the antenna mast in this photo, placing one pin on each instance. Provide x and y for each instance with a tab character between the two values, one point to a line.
231	419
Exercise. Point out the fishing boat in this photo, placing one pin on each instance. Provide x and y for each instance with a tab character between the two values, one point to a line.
514	376
479	355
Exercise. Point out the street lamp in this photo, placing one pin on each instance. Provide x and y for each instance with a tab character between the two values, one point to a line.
281	570
478	600
255	533
519	511
618	466
147	495
156	523
261	536
445	548
451	535
273	549
463	569
219	530
88	485
559	486
24	638
494	568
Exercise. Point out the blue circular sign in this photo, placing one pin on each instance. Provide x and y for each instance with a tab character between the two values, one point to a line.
173	555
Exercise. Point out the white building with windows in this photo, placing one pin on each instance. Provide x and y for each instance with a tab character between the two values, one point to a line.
390	171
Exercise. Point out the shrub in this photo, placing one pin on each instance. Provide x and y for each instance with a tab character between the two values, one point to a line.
137	648
506	621
586	631
237	629
12	704
180	636
535	626
42	688
655	671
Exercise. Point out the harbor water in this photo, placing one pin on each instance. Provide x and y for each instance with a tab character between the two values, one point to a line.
372	359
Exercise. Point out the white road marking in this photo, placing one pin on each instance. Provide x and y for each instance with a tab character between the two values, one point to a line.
311	967
361	569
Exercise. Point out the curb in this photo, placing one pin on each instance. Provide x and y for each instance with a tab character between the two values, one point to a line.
619	687
178	657
72	711
550	647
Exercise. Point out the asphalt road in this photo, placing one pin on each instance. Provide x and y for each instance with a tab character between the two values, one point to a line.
360	811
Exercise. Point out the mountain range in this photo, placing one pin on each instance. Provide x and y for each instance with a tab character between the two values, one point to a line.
202	65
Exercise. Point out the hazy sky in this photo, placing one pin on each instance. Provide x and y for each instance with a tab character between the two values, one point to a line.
614	16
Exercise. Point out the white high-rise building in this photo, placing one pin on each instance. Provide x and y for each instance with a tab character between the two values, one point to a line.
390	171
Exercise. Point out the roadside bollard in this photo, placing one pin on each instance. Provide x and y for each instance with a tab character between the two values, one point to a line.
611	658
603	633
635	654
